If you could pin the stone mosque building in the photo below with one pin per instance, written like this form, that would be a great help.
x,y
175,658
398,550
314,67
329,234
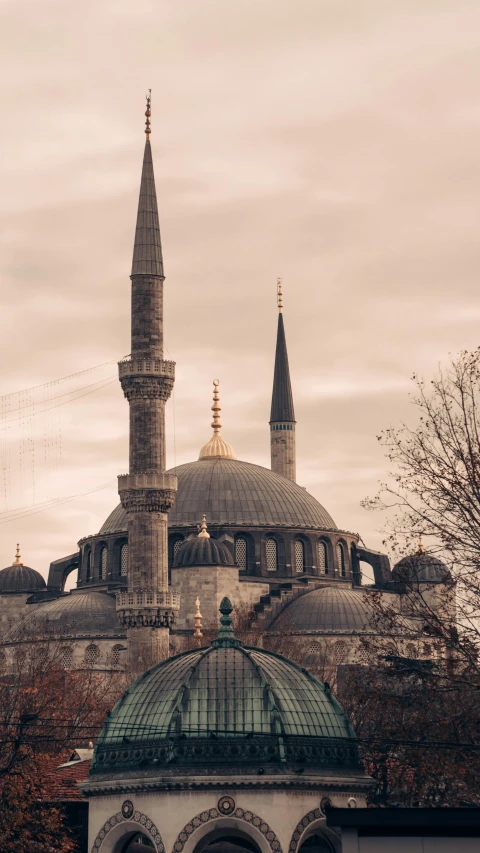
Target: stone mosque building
x,y
214,527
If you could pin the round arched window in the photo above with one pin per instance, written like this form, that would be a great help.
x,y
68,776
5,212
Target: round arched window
x,y
124,559
92,654
341,559
299,556
103,562
322,558
67,657
271,550
241,552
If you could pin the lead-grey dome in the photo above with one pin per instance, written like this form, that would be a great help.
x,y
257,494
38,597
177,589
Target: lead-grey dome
x,y
19,578
77,614
420,568
200,551
331,610
238,493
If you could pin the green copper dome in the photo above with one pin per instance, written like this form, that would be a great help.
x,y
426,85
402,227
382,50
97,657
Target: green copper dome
x,y
222,705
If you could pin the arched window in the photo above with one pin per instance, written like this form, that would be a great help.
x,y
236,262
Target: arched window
x,y
103,562
341,559
322,558
124,559
116,652
67,657
299,556
340,650
88,564
271,549
92,654
241,552
177,544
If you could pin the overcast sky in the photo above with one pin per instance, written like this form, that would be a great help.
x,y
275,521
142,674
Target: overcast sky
x,y
332,143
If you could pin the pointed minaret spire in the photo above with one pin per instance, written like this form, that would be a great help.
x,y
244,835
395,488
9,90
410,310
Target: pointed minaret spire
x,y
147,250
282,415
147,492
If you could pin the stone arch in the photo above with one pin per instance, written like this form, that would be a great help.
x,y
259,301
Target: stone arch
x,y
97,558
307,827
115,551
250,548
307,553
203,819
329,554
118,826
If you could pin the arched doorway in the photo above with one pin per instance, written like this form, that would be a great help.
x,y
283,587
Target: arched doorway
x,y
317,843
226,840
136,843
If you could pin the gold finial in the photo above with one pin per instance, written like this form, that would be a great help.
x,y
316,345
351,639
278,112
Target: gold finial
x,y
216,446
198,620
420,549
204,534
148,113
216,408
279,295
18,560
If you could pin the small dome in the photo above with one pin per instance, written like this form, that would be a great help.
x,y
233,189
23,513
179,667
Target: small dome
x,y
20,578
202,550
331,610
75,614
222,706
421,568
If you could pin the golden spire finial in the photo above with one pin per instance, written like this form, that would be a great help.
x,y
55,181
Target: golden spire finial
x,y
18,560
216,446
148,113
279,295
216,408
204,534
198,620
420,549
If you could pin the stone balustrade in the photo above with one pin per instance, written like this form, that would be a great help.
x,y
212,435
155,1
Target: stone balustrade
x,y
146,366
147,480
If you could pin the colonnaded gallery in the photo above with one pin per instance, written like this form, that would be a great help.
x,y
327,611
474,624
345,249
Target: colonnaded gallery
x,y
216,746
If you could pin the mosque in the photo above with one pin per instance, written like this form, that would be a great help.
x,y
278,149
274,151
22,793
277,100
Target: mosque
x,y
214,527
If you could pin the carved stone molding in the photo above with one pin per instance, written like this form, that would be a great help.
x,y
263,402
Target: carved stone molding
x,y
147,500
240,814
142,821
147,387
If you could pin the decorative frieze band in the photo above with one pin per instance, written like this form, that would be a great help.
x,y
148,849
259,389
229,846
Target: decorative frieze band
x,y
147,387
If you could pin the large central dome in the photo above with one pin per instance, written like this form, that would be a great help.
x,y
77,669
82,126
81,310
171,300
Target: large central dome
x,y
238,493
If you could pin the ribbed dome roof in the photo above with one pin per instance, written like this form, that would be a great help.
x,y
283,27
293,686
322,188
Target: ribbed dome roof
x,y
199,551
237,493
420,567
20,579
222,705
76,614
331,609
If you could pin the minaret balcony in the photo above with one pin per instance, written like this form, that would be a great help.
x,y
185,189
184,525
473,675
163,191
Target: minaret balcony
x,y
147,608
146,367
147,480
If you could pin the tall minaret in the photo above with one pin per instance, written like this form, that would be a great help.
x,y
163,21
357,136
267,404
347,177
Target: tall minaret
x,y
282,415
148,609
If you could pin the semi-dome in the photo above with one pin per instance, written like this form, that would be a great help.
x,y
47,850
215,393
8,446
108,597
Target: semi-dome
x,y
20,578
203,550
226,705
331,610
75,614
237,493
421,568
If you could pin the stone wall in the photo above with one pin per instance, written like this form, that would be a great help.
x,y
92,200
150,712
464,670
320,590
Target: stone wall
x,y
211,584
